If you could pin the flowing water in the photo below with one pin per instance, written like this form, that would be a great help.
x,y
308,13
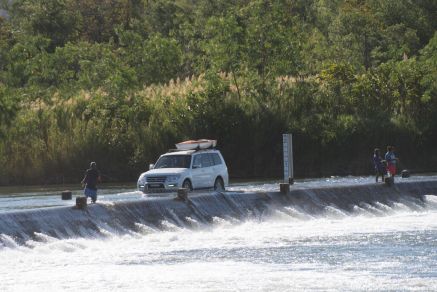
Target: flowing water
x,y
374,247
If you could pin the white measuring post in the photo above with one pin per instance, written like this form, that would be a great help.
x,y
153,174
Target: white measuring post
x,y
287,141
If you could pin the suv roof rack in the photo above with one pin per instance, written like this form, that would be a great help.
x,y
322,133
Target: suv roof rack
x,y
174,150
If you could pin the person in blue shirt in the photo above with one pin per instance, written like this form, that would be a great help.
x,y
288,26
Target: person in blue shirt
x,y
92,176
379,165
391,161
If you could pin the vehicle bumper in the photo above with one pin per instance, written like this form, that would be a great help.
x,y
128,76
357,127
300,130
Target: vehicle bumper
x,y
158,187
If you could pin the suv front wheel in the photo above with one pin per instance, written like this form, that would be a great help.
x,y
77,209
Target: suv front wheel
x,y
187,185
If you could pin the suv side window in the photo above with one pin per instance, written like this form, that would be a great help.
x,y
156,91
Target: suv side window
x,y
216,158
206,160
197,161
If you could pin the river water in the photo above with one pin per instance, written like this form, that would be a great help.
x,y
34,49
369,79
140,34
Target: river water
x,y
387,248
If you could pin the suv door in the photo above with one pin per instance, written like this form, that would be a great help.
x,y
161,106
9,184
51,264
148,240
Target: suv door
x,y
208,166
202,172
197,172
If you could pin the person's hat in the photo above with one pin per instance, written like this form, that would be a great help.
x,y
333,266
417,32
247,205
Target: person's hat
x,y
93,165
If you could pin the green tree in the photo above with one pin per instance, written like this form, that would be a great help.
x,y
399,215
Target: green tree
x,y
155,60
271,39
99,20
428,61
23,57
164,17
354,33
6,41
8,108
51,19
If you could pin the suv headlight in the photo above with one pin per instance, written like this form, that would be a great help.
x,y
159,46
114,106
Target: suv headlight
x,y
142,180
172,178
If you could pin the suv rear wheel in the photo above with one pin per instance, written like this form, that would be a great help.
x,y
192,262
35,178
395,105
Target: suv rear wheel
x,y
219,185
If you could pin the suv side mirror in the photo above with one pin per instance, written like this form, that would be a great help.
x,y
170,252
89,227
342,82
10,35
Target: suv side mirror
x,y
196,166
151,166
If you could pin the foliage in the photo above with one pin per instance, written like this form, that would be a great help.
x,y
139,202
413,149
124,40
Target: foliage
x,y
120,81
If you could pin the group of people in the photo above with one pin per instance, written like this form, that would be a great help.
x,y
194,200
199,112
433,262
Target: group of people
x,y
386,166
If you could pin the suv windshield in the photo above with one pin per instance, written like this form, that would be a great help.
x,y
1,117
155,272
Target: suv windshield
x,y
174,161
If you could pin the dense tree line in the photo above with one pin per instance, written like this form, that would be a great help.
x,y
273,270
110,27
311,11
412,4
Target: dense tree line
x,y
121,81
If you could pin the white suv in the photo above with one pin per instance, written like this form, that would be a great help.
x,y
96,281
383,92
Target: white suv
x,y
191,169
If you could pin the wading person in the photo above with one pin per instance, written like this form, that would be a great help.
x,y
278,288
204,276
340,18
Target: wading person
x,y
391,161
92,177
379,165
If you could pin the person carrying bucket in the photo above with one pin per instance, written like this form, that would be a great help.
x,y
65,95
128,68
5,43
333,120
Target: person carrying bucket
x,y
92,176
391,161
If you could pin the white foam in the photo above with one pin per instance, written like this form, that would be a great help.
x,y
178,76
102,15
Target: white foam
x,y
324,253
373,247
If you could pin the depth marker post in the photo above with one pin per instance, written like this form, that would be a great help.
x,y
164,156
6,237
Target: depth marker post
x,y
287,141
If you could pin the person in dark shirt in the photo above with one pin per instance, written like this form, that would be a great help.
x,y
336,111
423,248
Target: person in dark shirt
x,y
379,164
92,177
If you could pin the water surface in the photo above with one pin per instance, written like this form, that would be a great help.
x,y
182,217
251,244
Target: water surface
x,y
378,248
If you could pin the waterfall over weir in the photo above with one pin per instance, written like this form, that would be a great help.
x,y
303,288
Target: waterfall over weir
x,y
130,216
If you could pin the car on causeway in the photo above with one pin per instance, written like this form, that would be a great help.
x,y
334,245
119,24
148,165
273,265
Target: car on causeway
x,y
190,169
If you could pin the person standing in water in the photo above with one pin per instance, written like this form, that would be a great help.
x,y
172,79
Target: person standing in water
x,y
391,161
92,177
379,165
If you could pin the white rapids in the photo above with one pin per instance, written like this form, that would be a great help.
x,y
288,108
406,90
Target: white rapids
x,y
375,247
394,249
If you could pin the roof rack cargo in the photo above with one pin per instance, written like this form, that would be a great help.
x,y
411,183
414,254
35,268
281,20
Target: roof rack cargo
x,y
196,144
195,150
